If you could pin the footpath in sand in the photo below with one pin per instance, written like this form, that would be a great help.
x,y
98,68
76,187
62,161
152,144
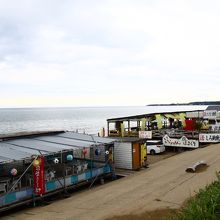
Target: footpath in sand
x,y
164,185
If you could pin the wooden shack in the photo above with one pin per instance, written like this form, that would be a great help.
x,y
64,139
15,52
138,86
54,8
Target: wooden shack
x,y
130,153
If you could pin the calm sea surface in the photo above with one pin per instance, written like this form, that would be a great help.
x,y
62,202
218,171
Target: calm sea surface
x,y
87,119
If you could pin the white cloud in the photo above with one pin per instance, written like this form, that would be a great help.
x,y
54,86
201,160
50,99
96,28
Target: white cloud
x,y
132,52
31,73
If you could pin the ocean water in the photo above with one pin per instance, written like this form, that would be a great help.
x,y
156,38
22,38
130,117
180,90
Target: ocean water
x,y
84,119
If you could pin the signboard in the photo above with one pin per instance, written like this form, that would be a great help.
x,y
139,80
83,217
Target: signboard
x,y
210,114
215,127
196,114
39,176
209,138
145,134
182,142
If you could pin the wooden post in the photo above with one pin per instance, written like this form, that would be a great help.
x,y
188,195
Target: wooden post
x,y
64,170
129,128
108,129
138,125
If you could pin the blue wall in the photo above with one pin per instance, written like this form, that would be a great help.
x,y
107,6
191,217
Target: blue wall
x,y
27,193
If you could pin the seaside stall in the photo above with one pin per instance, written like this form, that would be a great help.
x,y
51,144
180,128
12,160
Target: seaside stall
x,y
132,125
206,123
39,166
212,115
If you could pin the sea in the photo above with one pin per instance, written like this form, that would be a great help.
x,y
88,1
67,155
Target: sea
x,y
88,120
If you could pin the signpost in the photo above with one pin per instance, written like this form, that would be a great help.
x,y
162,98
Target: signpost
x,y
145,134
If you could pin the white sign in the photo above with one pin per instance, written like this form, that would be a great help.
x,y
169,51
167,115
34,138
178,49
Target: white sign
x,y
210,114
182,142
145,134
209,138
196,114
215,127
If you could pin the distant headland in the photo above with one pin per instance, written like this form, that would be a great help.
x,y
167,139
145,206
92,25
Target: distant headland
x,y
190,103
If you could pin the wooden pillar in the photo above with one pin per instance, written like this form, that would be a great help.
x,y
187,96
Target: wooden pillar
x,y
108,129
138,125
129,128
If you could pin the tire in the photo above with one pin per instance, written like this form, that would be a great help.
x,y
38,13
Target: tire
x,y
152,152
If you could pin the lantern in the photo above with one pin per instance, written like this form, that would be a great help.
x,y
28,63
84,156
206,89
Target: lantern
x,y
13,172
97,152
69,157
36,162
56,160
84,151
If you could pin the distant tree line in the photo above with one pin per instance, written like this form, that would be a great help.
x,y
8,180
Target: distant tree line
x,y
190,103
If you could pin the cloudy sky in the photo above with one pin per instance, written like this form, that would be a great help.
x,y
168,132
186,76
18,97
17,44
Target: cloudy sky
x,y
108,53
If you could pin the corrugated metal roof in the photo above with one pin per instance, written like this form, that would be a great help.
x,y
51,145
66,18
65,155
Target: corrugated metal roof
x,y
12,153
43,146
86,137
129,139
213,107
4,159
22,148
65,141
139,117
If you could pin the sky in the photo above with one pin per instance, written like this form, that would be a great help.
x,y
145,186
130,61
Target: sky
x,y
108,53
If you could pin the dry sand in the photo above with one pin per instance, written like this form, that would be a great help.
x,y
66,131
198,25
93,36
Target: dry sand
x,y
163,186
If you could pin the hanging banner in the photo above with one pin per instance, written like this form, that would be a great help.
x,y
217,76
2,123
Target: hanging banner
x,y
145,134
182,142
39,176
209,138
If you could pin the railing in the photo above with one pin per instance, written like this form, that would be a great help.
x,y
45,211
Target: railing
x,y
26,193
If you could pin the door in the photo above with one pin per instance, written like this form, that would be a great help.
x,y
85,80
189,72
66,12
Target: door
x,y
136,156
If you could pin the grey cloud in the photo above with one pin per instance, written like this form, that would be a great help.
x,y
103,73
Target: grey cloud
x,y
82,42
83,24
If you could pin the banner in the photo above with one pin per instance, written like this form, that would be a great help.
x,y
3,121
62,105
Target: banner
x,y
182,142
39,176
209,138
210,114
145,134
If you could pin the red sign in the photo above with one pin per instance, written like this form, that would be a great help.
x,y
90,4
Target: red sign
x,y
190,125
39,176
